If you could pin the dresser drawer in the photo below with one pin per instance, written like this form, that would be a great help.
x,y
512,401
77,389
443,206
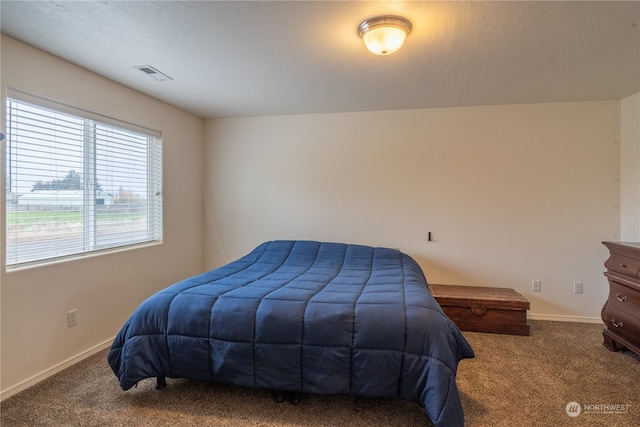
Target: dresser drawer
x,y
623,315
623,323
624,265
623,297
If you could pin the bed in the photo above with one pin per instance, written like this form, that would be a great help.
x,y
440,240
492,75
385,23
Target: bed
x,y
307,317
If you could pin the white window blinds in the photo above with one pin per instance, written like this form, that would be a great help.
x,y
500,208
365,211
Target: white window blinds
x,y
77,184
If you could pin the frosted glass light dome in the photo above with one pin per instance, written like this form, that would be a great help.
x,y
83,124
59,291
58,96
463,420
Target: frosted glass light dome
x,y
384,35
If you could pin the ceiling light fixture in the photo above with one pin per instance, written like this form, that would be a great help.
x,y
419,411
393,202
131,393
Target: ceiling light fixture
x,y
384,35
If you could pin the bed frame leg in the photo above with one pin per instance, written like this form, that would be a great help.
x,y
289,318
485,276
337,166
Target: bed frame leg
x,y
161,382
278,396
294,398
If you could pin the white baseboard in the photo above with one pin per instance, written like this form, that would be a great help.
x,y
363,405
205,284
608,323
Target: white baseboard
x,y
4,394
562,318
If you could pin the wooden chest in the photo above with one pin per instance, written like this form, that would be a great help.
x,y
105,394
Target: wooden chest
x,y
483,309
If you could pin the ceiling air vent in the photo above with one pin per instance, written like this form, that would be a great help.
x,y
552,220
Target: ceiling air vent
x,y
153,73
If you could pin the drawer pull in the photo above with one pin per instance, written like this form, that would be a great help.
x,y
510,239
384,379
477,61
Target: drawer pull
x,y
621,298
623,265
616,324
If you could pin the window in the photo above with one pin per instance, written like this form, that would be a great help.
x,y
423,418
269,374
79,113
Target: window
x,y
77,182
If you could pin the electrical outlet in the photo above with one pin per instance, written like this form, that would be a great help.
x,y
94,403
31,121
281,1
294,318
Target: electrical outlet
x,y
577,287
72,318
536,286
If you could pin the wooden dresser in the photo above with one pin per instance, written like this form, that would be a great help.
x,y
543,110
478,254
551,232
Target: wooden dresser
x,y
621,312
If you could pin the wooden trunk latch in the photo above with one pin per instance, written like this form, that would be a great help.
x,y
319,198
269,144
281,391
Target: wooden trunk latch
x,y
478,309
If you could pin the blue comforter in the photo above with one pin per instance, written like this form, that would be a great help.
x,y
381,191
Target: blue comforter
x,y
303,316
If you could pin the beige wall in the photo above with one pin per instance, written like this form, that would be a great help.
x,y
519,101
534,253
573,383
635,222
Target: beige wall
x,y
510,193
630,169
104,289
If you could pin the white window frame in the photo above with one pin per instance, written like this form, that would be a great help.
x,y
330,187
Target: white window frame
x,y
99,132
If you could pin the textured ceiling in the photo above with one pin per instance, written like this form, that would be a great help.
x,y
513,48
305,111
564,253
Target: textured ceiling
x,y
247,58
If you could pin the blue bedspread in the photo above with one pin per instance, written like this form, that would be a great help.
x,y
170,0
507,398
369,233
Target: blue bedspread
x,y
303,316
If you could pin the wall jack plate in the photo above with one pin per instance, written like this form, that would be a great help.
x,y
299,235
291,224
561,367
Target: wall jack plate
x,y
577,287
536,286
72,318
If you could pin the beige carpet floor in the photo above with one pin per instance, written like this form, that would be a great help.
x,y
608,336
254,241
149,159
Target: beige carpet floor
x,y
513,381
